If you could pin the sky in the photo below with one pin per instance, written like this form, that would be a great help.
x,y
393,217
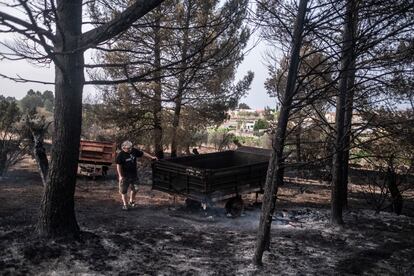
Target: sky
x,y
256,98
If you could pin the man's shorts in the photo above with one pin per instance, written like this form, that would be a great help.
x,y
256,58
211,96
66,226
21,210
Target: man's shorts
x,y
128,182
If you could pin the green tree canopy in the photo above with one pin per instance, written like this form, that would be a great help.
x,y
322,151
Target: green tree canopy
x,y
10,151
243,106
260,124
33,100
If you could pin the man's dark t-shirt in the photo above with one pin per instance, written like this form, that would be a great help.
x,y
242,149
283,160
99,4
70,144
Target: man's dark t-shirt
x,y
128,162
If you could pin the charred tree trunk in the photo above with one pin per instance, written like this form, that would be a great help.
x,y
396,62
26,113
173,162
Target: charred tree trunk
x,y
279,183
158,131
298,143
348,128
338,167
57,217
41,160
181,83
187,150
157,107
39,151
176,123
276,159
397,199
3,159
349,104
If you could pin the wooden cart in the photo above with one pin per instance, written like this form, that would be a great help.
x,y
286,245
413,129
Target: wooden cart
x,y
95,157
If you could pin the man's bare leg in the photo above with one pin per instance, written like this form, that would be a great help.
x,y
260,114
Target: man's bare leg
x,y
124,199
132,197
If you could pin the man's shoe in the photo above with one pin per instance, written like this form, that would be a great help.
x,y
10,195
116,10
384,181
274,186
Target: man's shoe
x,y
125,208
132,204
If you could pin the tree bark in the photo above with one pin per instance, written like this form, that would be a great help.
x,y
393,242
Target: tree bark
x,y
397,199
42,161
3,161
157,107
181,82
338,192
39,151
3,157
158,131
348,127
57,218
298,143
276,159
176,123
349,104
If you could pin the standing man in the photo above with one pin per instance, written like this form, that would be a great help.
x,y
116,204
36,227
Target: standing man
x,y
126,166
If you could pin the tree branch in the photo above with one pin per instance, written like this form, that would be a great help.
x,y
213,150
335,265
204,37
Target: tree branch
x,y
119,24
6,17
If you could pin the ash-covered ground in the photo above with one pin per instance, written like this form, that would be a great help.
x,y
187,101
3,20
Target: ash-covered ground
x,y
162,238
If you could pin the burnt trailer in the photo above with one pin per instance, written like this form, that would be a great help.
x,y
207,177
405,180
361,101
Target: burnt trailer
x,y
211,177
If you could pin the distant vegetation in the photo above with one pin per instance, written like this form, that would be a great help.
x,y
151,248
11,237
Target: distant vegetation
x,y
15,117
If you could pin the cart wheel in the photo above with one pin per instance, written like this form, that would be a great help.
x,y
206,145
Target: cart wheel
x,y
234,206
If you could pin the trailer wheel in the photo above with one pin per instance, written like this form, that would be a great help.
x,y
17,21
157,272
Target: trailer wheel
x,y
234,206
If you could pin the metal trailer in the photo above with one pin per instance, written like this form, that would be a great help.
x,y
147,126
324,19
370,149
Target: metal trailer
x,y
211,177
95,157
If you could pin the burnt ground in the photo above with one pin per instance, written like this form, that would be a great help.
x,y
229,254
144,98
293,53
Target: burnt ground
x,y
162,238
